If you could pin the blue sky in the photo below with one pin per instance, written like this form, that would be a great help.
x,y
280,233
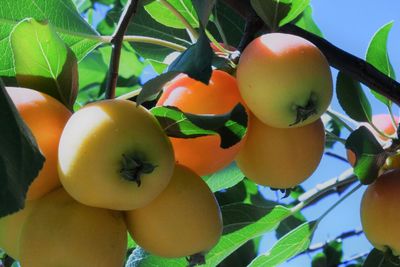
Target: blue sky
x,y
350,26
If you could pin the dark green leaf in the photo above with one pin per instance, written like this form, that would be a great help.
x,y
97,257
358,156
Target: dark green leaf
x,y
378,56
231,126
195,62
272,11
306,22
289,224
376,258
370,155
70,26
20,157
43,62
288,246
320,260
333,127
352,98
334,253
203,9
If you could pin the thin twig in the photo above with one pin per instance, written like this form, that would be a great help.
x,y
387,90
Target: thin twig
x,y
147,40
116,43
336,156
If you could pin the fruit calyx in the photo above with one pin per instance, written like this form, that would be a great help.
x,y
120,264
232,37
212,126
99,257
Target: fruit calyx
x,y
390,257
134,166
196,259
304,112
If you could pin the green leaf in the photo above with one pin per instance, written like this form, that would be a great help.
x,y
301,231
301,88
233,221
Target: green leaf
x,y
370,155
377,258
231,126
70,26
20,157
272,11
203,9
352,98
43,62
306,22
289,224
334,252
288,246
331,126
296,8
224,179
163,15
378,56
194,61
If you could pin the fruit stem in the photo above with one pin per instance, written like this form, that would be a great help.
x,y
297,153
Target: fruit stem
x,y
133,167
196,259
304,112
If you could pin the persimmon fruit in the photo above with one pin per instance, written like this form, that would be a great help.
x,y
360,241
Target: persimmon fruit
x,y
284,80
114,154
183,220
278,157
203,154
46,118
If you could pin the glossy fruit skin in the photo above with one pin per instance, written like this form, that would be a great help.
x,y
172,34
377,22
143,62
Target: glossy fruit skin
x,y
203,154
379,212
384,123
278,72
91,154
281,158
62,232
46,118
183,220
11,227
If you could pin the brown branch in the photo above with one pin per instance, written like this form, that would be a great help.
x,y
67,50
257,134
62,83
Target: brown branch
x,y
353,66
116,43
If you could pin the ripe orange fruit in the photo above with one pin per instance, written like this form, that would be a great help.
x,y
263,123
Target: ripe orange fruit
x,y
278,157
46,118
183,220
284,80
203,154
379,212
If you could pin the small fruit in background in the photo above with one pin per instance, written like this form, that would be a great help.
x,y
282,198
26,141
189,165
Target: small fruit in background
x,y
379,212
278,157
62,232
203,154
46,118
183,220
114,154
284,80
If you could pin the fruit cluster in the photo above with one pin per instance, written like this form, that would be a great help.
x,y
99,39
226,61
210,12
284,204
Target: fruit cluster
x,y
110,168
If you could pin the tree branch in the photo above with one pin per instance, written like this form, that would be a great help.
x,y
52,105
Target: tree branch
x,y
353,66
116,43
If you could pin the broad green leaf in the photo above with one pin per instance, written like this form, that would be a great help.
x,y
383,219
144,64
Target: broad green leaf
x,y
231,126
223,179
352,98
272,11
161,13
141,258
296,8
194,61
43,62
82,5
378,56
370,155
289,224
20,157
291,244
70,26
306,22
232,241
